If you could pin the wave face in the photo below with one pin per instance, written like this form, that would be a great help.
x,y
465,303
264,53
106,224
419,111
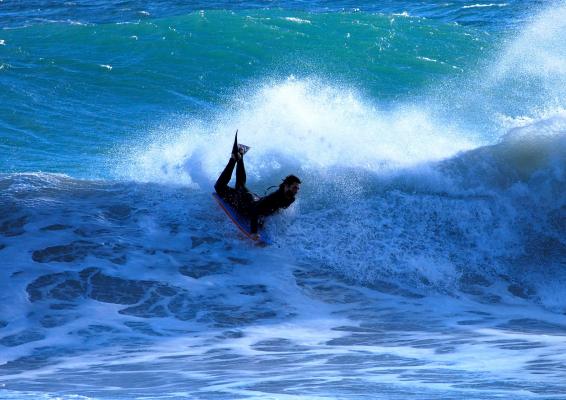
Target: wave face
x,y
423,259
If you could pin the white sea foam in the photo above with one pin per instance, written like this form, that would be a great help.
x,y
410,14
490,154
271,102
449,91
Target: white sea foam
x,y
427,59
520,83
298,20
303,123
480,5
538,55
260,321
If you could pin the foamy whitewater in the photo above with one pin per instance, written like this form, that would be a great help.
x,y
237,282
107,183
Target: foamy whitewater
x,y
425,256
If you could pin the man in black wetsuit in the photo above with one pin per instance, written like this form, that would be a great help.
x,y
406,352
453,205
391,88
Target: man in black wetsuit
x,y
245,202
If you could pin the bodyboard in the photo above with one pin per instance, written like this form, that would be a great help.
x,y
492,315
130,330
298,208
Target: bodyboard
x,y
241,222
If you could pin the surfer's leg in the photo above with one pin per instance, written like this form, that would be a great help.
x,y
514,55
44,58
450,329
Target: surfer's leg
x,y
221,185
240,175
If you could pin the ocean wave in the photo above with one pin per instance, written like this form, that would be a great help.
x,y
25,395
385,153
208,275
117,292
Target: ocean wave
x,y
304,123
468,222
428,238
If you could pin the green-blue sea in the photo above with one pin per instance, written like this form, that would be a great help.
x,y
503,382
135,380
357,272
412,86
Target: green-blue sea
x,y
424,258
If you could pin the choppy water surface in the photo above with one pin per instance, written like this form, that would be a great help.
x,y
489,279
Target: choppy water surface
x,y
424,258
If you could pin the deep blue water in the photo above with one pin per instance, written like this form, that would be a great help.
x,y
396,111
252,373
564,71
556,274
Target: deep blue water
x,y
424,258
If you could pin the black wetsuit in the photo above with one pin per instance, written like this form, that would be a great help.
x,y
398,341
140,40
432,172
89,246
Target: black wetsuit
x,y
245,202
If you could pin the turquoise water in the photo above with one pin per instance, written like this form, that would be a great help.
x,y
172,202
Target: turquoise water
x,y
423,259
85,88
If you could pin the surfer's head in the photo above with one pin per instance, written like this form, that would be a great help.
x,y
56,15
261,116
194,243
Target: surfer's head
x,y
290,186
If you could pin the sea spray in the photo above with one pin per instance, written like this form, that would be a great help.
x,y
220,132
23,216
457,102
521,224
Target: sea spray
x,y
305,124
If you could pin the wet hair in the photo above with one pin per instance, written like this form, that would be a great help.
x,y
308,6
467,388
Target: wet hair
x,y
289,180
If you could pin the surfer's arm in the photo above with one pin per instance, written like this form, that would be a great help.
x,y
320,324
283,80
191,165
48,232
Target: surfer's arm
x,y
253,222
256,210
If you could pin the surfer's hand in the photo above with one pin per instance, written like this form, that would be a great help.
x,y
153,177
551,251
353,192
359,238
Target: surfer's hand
x,y
255,236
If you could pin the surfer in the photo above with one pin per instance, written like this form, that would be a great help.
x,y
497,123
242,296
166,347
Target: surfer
x,y
246,203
